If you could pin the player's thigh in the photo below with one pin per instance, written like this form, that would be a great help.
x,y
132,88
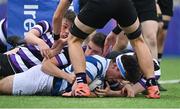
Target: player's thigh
x,y
149,28
91,16
6,85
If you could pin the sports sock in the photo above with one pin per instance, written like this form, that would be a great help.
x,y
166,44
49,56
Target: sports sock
x,y
159,57
151,82
81,77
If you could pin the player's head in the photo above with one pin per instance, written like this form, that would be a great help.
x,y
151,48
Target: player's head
x,y
67,22
95,45
128,67
125,67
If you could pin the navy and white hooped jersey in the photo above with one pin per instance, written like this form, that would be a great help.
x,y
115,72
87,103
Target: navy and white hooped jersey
x,y
29,55
96,66
3,32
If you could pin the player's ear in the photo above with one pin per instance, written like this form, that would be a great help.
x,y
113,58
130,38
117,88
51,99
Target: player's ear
x,y
114,65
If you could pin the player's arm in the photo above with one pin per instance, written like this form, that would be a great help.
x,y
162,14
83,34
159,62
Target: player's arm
x,y
33,36
49,66
58,15
13,51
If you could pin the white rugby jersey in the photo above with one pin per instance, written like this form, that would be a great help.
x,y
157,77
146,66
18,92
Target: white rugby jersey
x,y
96,66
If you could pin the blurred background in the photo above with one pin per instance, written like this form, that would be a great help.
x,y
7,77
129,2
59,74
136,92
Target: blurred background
x,y
21,16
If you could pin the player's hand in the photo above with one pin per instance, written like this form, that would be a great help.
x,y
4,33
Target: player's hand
x,y
109,43
57,47
59,42
103,92
44,49
128,91
71,78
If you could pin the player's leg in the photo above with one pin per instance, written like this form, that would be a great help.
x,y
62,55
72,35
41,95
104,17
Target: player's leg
x,y
6,85
76,53
133,31
5,66
149,31
166,7
148,17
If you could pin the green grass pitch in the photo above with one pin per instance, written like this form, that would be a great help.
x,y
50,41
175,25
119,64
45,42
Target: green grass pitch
x,y
169,99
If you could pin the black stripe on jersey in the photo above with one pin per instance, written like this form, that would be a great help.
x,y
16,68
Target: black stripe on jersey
x,y
35,52
90,75
57,82
66,53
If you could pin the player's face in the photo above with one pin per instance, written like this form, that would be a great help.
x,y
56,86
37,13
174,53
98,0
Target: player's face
x,y
113,72
66,25
93,49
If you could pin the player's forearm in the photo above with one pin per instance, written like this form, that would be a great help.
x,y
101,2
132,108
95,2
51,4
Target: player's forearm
x,y
58,15
137,88
53,70
115,94
32,37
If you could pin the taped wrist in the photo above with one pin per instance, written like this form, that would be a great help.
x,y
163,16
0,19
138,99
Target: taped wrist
x,y
134,34
56,36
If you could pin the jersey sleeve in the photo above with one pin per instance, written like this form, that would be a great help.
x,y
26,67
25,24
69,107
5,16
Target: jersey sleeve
x,y
43,27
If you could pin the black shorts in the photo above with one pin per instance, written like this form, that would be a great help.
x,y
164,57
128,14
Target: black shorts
x,y
96,13
166,7
146,9
5,66
3,48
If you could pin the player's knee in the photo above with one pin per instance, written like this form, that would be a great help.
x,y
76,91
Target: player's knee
x,y
75,31
74,40
135,34
150,38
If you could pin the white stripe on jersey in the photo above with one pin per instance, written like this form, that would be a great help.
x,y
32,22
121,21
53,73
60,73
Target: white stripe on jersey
x,y
2,37
49,36
105,62
47,26
62,58
20,62
39,27
30,55
91,68
37,47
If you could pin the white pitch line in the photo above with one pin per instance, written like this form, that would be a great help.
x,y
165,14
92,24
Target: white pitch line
x,y
169,81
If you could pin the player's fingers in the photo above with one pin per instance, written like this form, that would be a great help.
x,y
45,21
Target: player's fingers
x,y
100,90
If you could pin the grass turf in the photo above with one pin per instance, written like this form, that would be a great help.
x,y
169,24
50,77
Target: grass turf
x,y
169,99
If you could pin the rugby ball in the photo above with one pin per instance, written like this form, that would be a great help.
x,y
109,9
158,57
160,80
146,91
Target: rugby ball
x,y
96,83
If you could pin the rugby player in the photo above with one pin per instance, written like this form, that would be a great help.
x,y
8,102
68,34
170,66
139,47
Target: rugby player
x,y
95,14
39,40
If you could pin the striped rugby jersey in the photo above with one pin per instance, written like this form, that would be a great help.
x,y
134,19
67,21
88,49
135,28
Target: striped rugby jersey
x,y
29,55
96,66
